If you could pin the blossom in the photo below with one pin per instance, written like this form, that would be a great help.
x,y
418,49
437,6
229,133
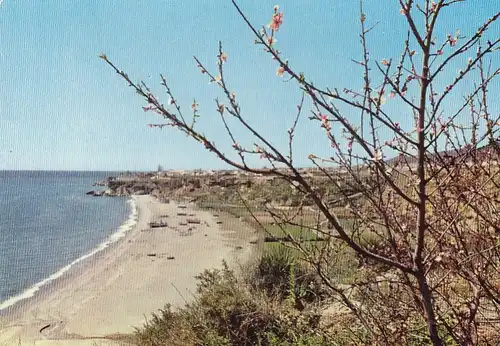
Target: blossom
x,y
194,105
402,11
392,94
280,71
276,21
223,57
439,52
377,156
469,61
349,145
380,100
326,126
171,101
276,8
324,122
271,40
221,108
412,53
433,6
385,62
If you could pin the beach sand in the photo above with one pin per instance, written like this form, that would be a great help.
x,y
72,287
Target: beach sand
x,y
115,290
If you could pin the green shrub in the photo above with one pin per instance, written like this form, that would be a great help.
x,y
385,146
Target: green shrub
x,y
227,312
280,274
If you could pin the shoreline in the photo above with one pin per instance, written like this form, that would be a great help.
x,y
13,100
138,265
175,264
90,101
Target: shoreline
x,y
113,290
126,226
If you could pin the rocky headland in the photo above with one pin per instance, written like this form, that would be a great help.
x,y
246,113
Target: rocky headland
x,y
207,186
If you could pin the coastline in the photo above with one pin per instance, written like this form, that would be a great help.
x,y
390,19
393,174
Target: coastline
x,y
125,227
113,290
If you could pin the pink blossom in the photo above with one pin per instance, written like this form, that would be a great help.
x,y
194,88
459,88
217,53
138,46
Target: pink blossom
x,y
280,71
439,52
385,62
324,122
271,40
403,11
223,57
276,21
171,101
433,6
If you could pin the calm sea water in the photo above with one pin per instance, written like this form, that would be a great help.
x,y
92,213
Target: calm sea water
x,y
47,223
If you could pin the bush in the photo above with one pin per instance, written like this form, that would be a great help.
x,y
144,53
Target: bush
x,y
228,312
280,274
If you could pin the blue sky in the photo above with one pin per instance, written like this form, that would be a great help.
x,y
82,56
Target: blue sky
x,y
62,108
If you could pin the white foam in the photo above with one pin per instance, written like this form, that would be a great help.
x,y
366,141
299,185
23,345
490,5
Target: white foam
x,y
120,233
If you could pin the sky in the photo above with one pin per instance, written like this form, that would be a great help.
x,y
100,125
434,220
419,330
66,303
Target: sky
x,y
62,108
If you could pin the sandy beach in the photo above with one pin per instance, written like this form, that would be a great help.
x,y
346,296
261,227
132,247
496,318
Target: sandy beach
x,y
115,290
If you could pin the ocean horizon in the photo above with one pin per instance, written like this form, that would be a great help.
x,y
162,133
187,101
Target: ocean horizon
x,y
48,224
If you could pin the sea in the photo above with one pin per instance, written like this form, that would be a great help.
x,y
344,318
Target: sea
x,y
48,224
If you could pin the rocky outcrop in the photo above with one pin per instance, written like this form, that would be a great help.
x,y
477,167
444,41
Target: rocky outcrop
x,y
100,193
